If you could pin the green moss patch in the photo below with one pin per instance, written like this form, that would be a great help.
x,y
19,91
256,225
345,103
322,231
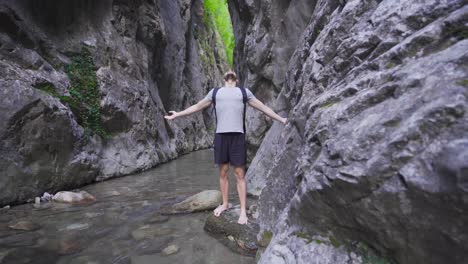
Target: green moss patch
x,y
463,83
47,88
368,255
85,97
304,236
265,238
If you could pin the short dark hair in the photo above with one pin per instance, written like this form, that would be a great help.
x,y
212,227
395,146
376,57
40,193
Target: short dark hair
x,y
230,75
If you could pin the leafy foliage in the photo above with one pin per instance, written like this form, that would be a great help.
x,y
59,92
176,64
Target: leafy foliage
x,y
217,15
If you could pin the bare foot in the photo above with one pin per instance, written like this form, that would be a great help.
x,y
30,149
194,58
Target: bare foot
x,y
242,219
220,209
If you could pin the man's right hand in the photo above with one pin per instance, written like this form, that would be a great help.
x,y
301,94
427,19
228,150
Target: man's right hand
x,y
173,115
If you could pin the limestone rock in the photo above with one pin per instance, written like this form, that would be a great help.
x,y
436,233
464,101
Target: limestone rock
x,y
171,249
147,59
239,238
375,149
73,197
24,225
202,201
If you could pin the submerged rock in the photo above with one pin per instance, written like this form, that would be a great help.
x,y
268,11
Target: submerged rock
x,y
171,249
239,238
25,226
151,231
202,201
73,197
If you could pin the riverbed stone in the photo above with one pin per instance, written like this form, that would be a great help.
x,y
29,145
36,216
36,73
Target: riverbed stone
x,y
73,197
170,250
202,201
24,225
239,238
151,231
157,218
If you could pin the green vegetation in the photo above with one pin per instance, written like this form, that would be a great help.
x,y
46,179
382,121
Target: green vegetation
x,y
368,256
334,242
266,238
84,99
463,83
304,236
217,16
48,88
327,105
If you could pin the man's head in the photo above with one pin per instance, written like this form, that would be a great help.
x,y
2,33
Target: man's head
x,y
230,76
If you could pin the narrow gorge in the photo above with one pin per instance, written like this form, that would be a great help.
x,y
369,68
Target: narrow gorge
x,y
372,166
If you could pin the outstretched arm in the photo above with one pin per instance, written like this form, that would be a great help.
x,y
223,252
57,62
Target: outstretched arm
x,y
192,109
257,104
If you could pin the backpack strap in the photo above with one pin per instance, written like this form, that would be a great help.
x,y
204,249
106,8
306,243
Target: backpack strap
x,y
244,100
213,101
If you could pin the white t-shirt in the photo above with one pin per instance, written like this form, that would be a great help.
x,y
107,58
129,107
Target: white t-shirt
x,y
229,108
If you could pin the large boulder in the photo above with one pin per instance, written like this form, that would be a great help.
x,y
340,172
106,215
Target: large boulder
x,y
202,201
239,238
374,153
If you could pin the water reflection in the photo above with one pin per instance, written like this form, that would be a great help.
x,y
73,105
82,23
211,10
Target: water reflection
x,y
123,226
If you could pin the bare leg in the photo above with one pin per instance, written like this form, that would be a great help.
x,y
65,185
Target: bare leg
x,y
239,171
224,187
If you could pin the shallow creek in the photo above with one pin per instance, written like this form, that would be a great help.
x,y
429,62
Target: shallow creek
x,y
123,226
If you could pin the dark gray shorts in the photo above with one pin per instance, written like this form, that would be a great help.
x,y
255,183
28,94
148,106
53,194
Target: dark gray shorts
x,y
230,148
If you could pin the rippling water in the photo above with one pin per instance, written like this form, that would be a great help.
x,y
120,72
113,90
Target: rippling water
x,y
123,226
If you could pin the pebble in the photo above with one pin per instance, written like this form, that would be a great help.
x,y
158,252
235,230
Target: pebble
x,y
171,249
76,226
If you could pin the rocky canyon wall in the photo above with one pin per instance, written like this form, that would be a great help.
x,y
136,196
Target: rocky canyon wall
x,y
66,64
373,165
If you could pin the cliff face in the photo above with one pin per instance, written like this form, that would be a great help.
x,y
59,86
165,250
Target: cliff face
x,y
266,34
373,165
65,65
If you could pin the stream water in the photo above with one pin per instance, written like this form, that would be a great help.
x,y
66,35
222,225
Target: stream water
x,y
123,226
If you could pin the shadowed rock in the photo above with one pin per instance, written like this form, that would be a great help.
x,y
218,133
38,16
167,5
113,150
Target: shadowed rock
x,y
239,238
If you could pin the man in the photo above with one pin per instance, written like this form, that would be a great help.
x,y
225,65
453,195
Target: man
x,y
229,143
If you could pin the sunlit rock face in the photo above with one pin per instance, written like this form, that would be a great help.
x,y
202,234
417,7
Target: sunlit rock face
x,y
374,160
147,59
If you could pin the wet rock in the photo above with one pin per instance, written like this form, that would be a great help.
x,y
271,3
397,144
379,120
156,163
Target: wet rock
x,y
31,256
19,240
75,226
68,247
46,197
156,245
171,249
157,218
73,197
151,231
25,226
202,201
239,238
